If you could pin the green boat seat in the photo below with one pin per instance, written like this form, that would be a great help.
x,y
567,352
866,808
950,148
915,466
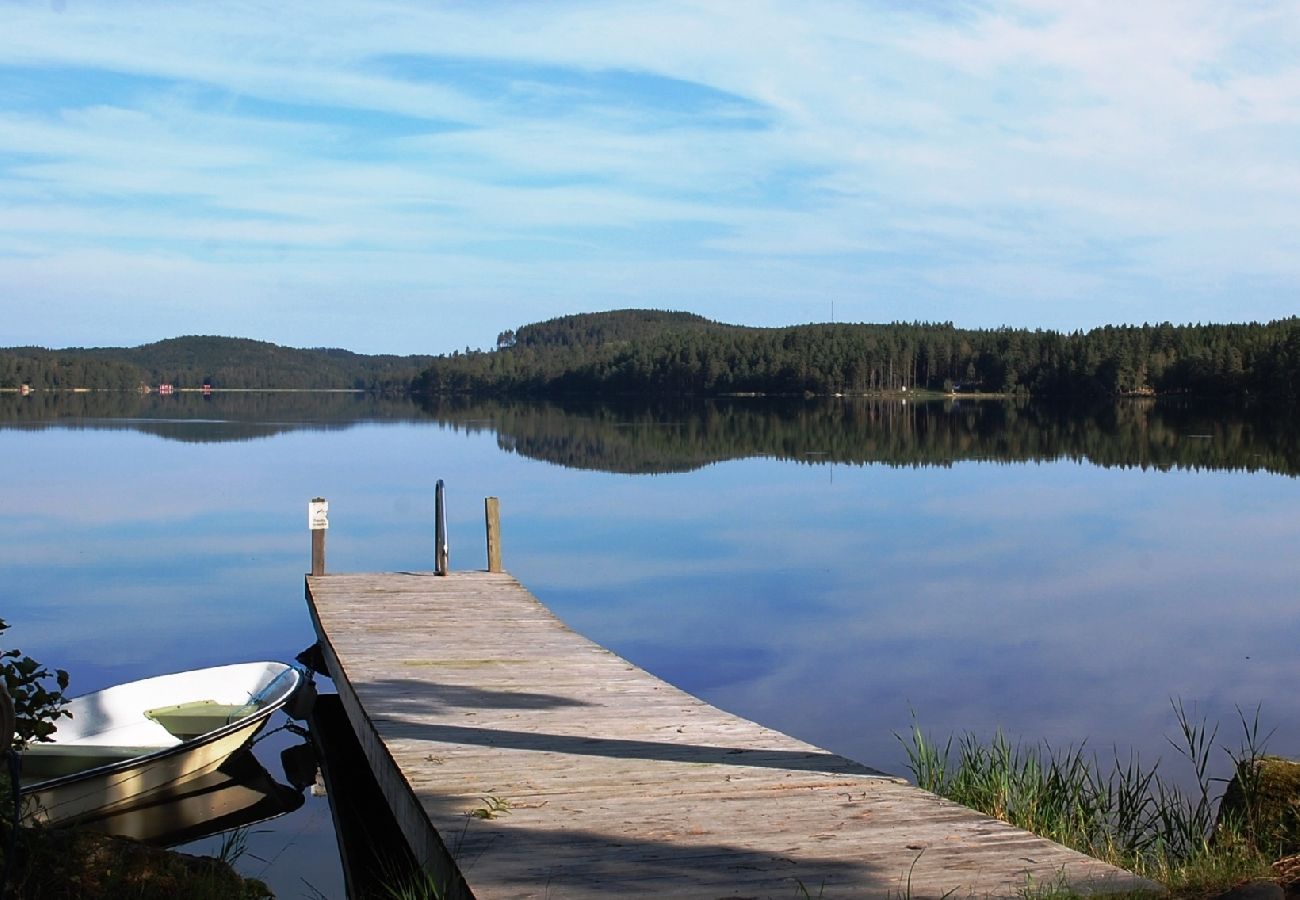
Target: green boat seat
x,y
189,720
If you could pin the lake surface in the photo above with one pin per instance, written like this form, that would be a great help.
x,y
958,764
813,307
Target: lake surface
x,y
827,568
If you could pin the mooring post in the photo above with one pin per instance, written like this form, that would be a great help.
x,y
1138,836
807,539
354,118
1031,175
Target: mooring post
x,y
442,555
319,522
492,515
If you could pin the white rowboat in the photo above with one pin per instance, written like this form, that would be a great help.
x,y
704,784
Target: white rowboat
x,y
127,742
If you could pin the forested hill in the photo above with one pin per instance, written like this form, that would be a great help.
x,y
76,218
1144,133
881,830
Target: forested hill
x,y
189,362
588,331
558,354
641,352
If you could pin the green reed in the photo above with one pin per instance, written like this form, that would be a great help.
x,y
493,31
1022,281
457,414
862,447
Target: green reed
x,y
1125,812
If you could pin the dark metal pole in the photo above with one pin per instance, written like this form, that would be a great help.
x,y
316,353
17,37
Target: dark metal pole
x,y
442,555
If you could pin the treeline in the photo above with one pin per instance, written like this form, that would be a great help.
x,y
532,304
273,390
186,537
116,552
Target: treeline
x,y
642,352
191,362
679,435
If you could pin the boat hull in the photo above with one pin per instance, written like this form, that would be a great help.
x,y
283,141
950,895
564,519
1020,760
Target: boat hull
x,y
238,792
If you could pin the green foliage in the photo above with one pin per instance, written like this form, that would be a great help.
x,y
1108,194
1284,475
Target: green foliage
x,y
646,352
652,352
1261,804
1126,813
64,863
234,844
423,885
492,808
189,362
37,704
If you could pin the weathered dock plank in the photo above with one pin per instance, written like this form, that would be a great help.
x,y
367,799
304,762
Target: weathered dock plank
x,y
547,766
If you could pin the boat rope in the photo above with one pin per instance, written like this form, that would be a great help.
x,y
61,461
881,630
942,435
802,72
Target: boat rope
x,y
291,727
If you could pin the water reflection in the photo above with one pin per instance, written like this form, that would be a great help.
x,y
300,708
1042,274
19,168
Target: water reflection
x,y
192,417
655,437
680,436
239,793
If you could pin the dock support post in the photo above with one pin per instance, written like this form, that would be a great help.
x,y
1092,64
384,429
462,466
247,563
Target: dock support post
x,y
318,521
492,515
442,555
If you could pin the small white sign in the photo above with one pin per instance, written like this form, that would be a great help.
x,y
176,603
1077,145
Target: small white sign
x,y
318,515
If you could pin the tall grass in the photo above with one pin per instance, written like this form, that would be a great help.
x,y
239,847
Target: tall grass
x,y
1124,812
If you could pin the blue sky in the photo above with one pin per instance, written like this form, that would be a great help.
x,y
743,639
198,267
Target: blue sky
x,y
416,177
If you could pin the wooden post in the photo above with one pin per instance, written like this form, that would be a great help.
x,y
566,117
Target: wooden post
x,y
442,554
318,521
492,515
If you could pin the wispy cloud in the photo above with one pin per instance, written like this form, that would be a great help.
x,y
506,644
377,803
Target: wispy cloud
x,y
479,165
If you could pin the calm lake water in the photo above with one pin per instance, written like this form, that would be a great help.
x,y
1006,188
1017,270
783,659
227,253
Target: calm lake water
x,y
828,568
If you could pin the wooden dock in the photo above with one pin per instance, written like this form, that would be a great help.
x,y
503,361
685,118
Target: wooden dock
x,y
534,763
